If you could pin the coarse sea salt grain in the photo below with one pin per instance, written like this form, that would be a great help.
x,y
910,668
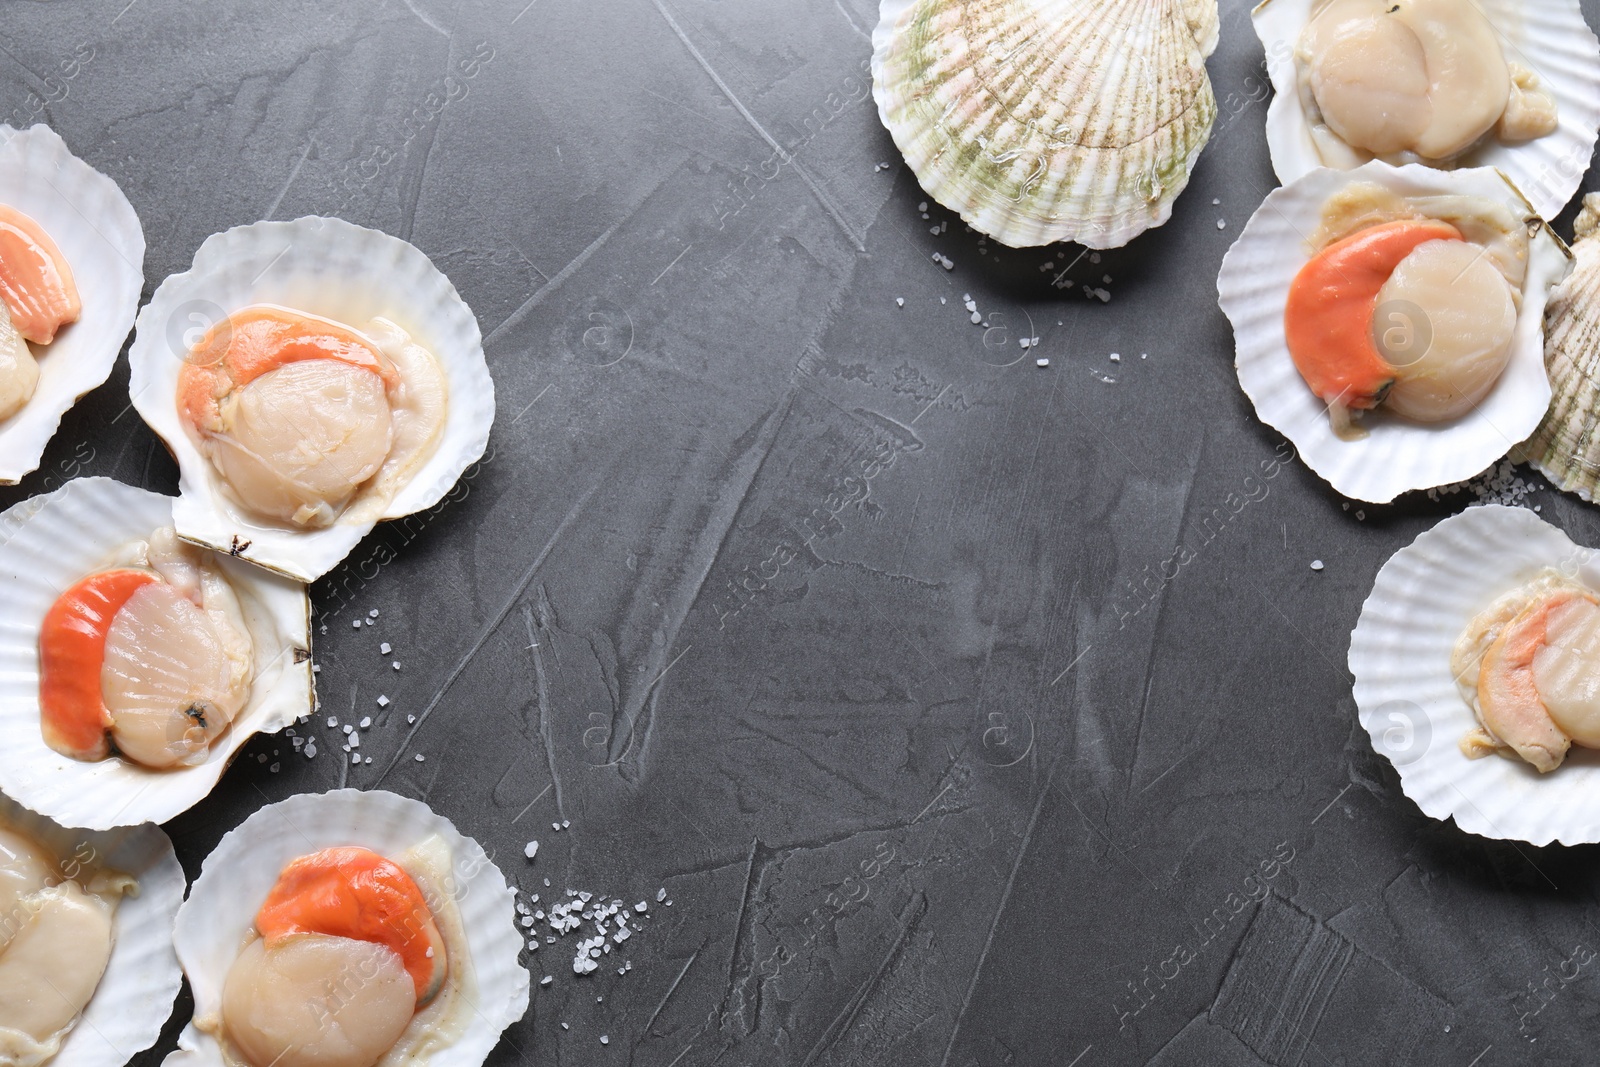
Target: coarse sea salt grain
x,y
899,301
531,849
1042,361
366,721
384,648
383,701
1316,564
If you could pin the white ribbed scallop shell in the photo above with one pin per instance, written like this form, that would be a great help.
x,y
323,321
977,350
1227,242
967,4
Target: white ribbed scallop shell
x,y
1549,37
1048,120
135,995
98,232
1566,446
340,271
1407,698
220,912
69,534
1396,456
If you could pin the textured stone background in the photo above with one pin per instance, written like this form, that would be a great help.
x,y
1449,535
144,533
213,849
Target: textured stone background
x,y
826,615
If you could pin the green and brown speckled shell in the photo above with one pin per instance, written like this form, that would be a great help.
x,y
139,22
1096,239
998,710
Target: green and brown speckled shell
x,y
1048,120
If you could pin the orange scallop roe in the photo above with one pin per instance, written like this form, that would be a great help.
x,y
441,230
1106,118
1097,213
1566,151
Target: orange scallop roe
x,y
257,340
1328,319
353,892
35,281
72,649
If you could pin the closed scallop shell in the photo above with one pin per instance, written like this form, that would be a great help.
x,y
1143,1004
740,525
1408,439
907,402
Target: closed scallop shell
x,y
135,995
99,235
1549,38
1048,120
219,915
1397,455
1566,446
1406,695
72,532
341,271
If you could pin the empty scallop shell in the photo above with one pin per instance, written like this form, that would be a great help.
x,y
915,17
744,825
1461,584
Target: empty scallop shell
x,y
98,233
1048,120
220,912
1424,597
1549,38
135,995
1396,456
1566,446
71,534
341,271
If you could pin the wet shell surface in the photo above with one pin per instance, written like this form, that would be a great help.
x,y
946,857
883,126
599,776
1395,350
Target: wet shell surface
x,y
1550,38
326,267
1396,456
1566,446
220,913
135,995
1048,120
1423,599
99,235
70,534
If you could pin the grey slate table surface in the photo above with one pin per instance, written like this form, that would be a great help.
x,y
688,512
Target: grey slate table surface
x,y
832,617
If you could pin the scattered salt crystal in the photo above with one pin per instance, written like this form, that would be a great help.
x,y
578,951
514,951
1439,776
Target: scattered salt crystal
x,y
941,300
316,668
1116,357
332,721
395,665
419,757
311,749
1222,224
383,701
1042,361
976,318
564,824
556,827
947,263
922,206
355,624
373,614
547,979
410,719
355,757
384,648
348,729
261,757
604,1040
1024,341
639,907
366,721
531,849
661,894
355,740
1106,278
1144,355
1094,257
1316,564
899,301
1215,201
273,768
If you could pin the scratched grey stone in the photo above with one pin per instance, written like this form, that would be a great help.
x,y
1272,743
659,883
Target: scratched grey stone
x,y
966,711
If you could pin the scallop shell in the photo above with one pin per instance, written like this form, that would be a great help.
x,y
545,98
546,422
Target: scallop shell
x,y
1396,456
98,232
341,271
135,995
1550,38
1566,446
1049,120
237,876
72,532
1407,698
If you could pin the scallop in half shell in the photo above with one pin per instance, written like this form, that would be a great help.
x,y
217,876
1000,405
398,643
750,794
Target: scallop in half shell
x,y
79,530
1549,40
96,232
134,996
484,991
1566,446
311,450
1424,600
1396,454
1048,120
